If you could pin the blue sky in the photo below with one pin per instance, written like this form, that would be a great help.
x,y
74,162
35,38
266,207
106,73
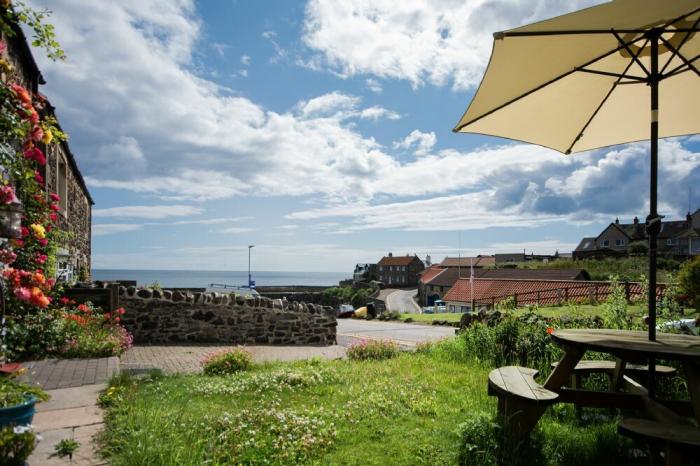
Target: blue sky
x,y
320,131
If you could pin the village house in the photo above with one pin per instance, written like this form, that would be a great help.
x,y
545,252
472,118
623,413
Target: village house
x,y
437,283
460,262
400,271
364,273
678,239
61,174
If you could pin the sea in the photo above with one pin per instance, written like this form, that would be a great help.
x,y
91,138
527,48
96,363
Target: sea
x,y
204,278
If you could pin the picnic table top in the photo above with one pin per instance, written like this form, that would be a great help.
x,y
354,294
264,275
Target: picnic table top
x,y
631,343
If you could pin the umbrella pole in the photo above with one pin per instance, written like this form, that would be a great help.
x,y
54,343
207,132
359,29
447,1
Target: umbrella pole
x,y
653,222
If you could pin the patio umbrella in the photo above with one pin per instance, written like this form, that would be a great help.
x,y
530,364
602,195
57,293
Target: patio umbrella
x,y
619,72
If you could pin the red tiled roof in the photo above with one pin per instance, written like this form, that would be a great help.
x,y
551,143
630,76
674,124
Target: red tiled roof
x,y
533,274
397,260
429,273
544,292
478,261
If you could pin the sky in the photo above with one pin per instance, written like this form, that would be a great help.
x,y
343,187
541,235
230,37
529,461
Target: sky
x,y
319,131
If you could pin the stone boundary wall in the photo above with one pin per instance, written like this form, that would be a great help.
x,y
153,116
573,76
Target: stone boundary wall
x,y
155,316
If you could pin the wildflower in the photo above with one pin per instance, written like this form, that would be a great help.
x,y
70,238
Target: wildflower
x,y
55,197
550,330
48,137
39,230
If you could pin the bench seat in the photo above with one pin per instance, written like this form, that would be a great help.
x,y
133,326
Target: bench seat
x,y
595,367
661,433
519,383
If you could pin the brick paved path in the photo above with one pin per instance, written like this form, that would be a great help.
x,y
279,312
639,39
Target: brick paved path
x,y
64,373
186,358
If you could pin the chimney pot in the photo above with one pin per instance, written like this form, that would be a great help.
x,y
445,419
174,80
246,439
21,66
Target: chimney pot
x,y
391,255
617,220
636,220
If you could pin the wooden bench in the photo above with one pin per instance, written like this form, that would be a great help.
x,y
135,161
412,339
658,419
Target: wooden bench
x,y
681,442
608,367
520,398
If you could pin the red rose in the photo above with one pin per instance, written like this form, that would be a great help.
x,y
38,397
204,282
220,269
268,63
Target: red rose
x,y
43,242
39,179
53,216
37,133
55,207
55,197
25,232
65,300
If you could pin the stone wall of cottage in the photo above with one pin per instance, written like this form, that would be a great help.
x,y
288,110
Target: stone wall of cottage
x,y
76,217
155,316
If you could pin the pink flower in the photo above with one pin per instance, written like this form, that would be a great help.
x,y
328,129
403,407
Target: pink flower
x,y
39,179
7,195
23,293
25,232
7,256
55,197
34,153
37,134
53,216
41,258
3,46
43,242
55,207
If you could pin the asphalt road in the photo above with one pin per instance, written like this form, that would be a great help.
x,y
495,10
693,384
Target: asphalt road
x,y
402,301
405,334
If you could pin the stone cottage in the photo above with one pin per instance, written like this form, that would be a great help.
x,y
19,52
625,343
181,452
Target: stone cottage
x,y
61,173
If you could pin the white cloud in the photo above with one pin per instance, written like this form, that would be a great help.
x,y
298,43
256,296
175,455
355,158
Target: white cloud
x,y
245,60
420,41
376,112
235,230
101,229
423,142
150,212
289,227
220,48
243,73
280,52
374,85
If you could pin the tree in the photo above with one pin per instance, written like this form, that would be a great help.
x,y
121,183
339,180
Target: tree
x,y
689,281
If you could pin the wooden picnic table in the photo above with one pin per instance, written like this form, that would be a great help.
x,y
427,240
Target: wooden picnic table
x,y
627,347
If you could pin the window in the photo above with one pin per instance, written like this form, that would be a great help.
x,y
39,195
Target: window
x,y
452,308
464,309
381,268
403,268
672,242
62,186
606,243
619,242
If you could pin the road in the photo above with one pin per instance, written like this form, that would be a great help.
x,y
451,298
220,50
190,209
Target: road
x,y
402,301
404,334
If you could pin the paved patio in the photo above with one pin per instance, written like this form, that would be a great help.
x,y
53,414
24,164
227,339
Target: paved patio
x,y
51,374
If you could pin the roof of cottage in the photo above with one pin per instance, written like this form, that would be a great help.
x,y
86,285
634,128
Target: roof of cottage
x,y
397,260
478,261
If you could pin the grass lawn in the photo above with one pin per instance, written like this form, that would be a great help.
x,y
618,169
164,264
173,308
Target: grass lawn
x,y
403,411
581,310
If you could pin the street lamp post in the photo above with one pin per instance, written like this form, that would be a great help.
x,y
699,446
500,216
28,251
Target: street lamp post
x,y
250,278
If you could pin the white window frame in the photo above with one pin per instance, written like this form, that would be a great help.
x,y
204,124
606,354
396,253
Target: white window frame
x,y
619,242
606,243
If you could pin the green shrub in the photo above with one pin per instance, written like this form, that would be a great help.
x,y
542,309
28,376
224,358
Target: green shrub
x,y
16,444
373,349
615,313
227,362
689,281
484,443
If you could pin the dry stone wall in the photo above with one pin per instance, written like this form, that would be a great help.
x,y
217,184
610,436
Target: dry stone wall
x,y
155,316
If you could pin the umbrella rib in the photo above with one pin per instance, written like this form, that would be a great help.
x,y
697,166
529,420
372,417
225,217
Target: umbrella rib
x,y
681,68
543,85
685,60
607,96
615,75
632,54
677,51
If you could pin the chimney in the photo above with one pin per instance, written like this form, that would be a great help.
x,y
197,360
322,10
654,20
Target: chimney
x,y
617,221
636,221
391,255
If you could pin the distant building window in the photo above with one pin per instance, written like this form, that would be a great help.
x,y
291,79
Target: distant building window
x,y
381,268
606,243
403,268
452,307
619,242
464,309
672,242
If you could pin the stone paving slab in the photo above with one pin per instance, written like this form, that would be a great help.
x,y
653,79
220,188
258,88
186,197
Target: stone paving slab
x,y
52,374
185,359
71,413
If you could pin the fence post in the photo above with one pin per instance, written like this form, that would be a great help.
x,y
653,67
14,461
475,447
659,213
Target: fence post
x,y
473,304
566,294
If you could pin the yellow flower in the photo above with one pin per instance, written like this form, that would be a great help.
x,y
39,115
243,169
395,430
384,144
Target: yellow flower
x,y
48,137
38,230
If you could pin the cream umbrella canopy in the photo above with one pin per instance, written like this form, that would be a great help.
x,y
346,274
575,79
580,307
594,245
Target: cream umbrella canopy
x,y
623,71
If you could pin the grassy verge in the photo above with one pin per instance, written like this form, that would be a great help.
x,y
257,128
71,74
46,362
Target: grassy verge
x,y
404,411
582,310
